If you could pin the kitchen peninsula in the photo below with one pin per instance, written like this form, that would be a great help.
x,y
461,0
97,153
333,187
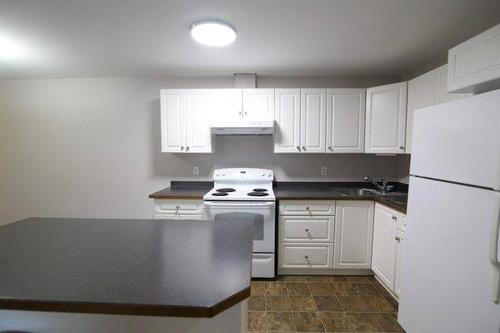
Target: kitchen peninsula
x,y
109,275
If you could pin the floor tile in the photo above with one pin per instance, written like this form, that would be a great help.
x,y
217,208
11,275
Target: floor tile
x,y
257,287
278,303
378,304
257,321
362,322
320,288
276,288
308,322
360,278
317,278
387,322
336,321
366,288
302,303
297,288
327,303
337,278
280,321
353,303
256,303
343,289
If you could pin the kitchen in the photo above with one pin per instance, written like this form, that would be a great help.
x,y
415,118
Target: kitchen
x,y
317,143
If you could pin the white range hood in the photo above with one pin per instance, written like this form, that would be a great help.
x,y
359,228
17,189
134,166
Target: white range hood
x,y
265,127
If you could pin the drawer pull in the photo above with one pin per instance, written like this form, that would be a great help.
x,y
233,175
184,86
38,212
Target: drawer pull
x,y
398,239
394,218
307,230
308,208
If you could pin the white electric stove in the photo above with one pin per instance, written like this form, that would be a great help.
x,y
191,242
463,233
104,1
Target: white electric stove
x,y
247,190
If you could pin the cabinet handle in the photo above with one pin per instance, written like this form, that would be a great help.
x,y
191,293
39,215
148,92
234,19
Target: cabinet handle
x,y
187,148
306,257
298,148
330,148
246,113
182,147
402,147
308,208
394,218
307,230
398,239
304,148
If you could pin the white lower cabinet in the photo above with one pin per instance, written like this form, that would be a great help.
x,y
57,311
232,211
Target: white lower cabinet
x,y
353,234
306,255
306,233
400,248
387,249
175,209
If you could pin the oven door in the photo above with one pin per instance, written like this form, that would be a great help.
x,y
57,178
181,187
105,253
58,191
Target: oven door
x,y
264,225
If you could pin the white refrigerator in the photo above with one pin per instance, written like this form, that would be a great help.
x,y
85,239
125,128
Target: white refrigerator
x,y
451,270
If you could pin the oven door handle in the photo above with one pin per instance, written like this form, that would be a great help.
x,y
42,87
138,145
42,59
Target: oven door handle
x,y
240,204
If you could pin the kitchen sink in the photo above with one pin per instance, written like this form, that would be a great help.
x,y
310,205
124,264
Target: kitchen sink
x,y
400,198
356,191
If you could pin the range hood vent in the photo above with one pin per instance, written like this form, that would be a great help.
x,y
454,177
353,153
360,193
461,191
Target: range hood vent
x,y
243,128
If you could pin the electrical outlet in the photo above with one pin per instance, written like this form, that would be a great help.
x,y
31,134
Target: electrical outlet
x,y
196,170
324,171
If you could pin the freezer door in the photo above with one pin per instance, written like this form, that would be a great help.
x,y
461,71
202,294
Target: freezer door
x,y
459,141
447,276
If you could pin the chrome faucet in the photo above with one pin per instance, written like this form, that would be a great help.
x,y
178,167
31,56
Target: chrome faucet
x,y
384,188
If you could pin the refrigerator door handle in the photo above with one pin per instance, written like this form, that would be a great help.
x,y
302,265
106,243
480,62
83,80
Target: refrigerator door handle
x,y
494,260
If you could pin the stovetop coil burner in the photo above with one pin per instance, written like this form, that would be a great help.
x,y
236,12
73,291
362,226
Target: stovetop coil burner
x,y
219,194
225,190
258,194
259,190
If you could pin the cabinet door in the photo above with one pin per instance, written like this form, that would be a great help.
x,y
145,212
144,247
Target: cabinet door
x,y
386,119
474,65
384,245
441,87
226,104
345,125
287,117
353,234
172,104
258,104
400,246
420,95
198,137
312,120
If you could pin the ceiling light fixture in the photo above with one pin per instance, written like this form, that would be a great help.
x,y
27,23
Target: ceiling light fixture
x,y
11,49
213,33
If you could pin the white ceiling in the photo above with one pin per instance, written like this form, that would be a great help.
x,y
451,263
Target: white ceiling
x,y
66,38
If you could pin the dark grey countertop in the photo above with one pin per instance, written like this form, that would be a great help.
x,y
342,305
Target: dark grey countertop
x,y
293,191
136,267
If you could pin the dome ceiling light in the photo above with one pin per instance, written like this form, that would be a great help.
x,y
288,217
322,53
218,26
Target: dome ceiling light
x,y
213,33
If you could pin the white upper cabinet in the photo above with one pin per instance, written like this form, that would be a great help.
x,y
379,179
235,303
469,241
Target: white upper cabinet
x,y
258,104
313,120
173,105
384,245
426,90
184,121
345,120
198,137
226,105
386,119
287,118
353,234
474,65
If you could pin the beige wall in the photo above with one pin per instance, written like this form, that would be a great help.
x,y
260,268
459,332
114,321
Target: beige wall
x,y
91,147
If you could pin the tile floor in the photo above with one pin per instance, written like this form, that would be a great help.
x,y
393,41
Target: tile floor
x,y
321,304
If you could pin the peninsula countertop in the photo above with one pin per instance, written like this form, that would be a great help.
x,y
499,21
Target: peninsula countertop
x,y
295,191
134,267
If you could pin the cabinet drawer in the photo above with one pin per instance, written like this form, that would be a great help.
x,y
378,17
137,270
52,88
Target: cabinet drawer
x,y
313,207
294,255
191,207
177,217
306,229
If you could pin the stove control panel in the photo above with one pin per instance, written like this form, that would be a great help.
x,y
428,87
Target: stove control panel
x,y
243,175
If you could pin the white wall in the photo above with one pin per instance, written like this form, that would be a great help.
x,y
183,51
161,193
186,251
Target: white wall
x,y
91,147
